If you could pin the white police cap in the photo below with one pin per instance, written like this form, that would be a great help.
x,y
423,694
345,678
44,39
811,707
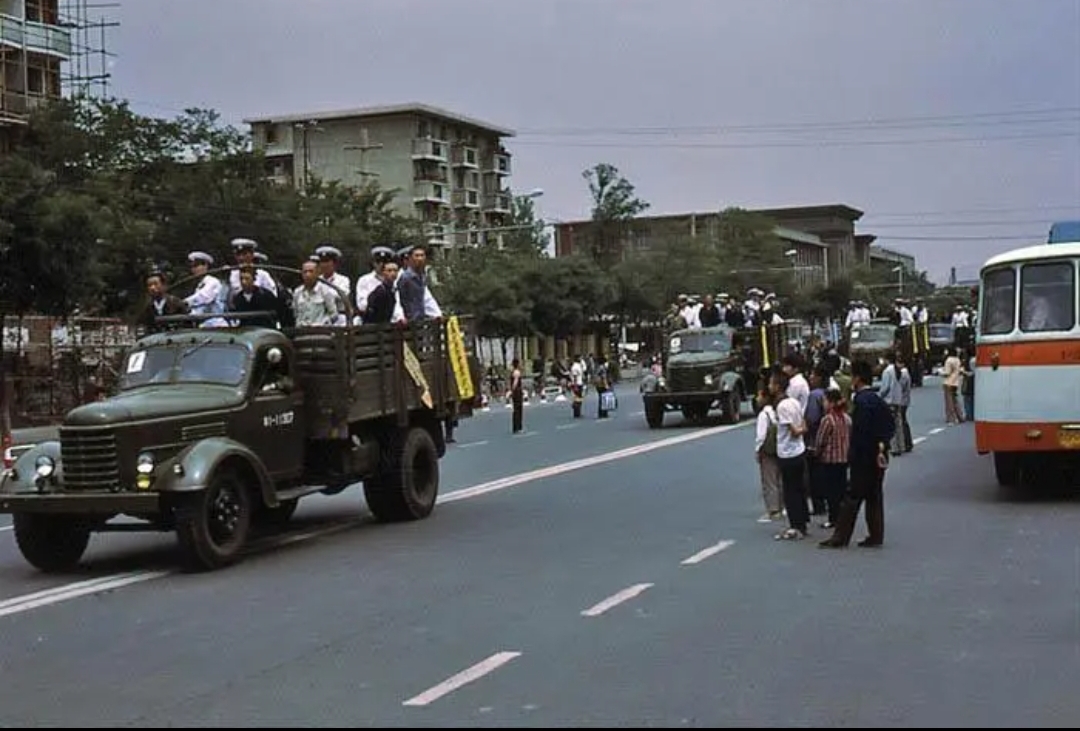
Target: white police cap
x,y
328,252
200,257
241,244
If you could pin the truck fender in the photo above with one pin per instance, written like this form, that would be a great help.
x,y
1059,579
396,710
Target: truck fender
x,y
192,468
731,381
22,478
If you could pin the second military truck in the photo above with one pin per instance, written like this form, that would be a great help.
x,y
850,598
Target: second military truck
x,y
214,430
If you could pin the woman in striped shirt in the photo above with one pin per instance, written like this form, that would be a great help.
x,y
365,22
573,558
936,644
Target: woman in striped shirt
x,y
831,452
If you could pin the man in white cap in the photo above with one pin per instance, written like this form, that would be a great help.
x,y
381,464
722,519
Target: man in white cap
x,y
210,295
752,306
328,257
371,281
244,250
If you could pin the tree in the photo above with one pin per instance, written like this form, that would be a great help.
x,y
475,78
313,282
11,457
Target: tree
x,y
614,205
525,234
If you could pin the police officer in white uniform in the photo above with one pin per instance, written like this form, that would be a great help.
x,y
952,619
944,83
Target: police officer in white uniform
x,y
210,295
368,283
244,251
328,256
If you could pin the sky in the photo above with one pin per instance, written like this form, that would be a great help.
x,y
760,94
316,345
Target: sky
x,y
953,124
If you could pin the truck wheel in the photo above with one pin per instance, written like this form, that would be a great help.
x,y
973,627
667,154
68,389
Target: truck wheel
x,y
212,525
654,414
51,543
408,481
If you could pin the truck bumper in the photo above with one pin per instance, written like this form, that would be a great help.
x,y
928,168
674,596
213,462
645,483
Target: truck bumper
x,y
685,397
82,504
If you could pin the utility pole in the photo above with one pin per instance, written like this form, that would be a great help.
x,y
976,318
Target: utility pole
x,y
304,127
365,146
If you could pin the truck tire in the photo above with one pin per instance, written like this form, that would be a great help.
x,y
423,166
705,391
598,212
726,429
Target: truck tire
x,y
212,525
654,414
51,543
407,485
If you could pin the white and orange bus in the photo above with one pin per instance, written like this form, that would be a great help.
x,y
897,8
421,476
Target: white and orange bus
x,y
1027,378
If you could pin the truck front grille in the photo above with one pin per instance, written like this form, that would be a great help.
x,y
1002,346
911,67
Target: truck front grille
x,y
682,380
89,459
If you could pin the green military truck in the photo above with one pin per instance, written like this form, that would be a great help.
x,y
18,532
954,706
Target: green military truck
x,y
214,431
704,369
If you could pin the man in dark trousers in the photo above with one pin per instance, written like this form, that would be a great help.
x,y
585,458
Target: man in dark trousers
x,y
872,428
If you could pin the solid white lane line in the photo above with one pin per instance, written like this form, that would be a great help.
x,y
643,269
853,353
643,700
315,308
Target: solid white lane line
x,y
938,430
6,527
708,552
27,602
918,440
469,445
465,677
615,600
504,483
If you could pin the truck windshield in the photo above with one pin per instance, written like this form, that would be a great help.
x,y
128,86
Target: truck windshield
x,y
873,335
217,363
941,332
701,342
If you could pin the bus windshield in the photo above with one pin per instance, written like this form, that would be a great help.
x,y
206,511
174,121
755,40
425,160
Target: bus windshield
x,y
997,313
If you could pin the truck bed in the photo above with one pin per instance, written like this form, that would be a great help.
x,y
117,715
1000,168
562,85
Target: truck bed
x,y
360,373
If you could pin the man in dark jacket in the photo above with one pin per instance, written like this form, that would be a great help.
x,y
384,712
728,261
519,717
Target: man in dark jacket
x,y
161,303
872,428
253,298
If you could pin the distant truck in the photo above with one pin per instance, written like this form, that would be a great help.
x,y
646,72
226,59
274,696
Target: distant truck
x,y
213,431
715,368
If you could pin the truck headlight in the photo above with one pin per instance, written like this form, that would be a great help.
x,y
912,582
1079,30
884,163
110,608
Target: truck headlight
x,y
708,379
661,382
144,464
45,466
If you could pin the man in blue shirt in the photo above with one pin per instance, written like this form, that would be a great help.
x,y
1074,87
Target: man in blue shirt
x,y
872,428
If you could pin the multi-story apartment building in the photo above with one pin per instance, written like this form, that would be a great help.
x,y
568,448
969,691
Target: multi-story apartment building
x,y
822,243
450,171
33,45
881,257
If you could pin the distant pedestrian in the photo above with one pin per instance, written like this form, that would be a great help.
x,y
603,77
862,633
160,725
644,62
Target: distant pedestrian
x,y
517,397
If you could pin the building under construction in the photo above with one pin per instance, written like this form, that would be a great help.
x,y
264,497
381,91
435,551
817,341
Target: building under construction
x,y
47,46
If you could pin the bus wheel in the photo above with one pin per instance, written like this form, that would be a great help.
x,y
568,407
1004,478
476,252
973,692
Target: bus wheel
x,y
1007,469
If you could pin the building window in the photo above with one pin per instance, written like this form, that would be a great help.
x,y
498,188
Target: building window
x,y
423,129
271,134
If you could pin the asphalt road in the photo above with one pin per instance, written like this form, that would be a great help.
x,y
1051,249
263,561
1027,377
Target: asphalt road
x,y
590,573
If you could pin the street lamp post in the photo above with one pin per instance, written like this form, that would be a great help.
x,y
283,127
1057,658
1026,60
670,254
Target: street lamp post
x,y
899,269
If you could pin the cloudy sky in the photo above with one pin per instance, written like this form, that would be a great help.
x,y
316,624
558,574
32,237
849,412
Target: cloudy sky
x,y
954,124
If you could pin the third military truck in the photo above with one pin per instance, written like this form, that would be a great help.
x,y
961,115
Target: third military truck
x,y
216,430
704,369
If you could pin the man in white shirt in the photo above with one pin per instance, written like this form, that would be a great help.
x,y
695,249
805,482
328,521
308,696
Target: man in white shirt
x,y
798,387
368,283
210,294
791,451
244,251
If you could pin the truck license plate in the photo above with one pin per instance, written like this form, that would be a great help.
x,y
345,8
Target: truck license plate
x,y
1069,438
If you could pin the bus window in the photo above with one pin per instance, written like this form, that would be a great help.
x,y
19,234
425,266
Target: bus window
x,y
998,302
1048,297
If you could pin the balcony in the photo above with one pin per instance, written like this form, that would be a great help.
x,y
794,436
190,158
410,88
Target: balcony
x,y
51,40
499,164
498,203
466,157
429,192
466,199
429,149
438,235
426,172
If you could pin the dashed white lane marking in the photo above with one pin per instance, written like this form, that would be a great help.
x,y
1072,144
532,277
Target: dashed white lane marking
x,y
638,413
27,602
465,677
6,527
708,552
938,430
469,445
918,440
615,600
563,427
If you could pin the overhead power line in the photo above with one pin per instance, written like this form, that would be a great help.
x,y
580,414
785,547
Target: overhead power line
x,y
796,143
